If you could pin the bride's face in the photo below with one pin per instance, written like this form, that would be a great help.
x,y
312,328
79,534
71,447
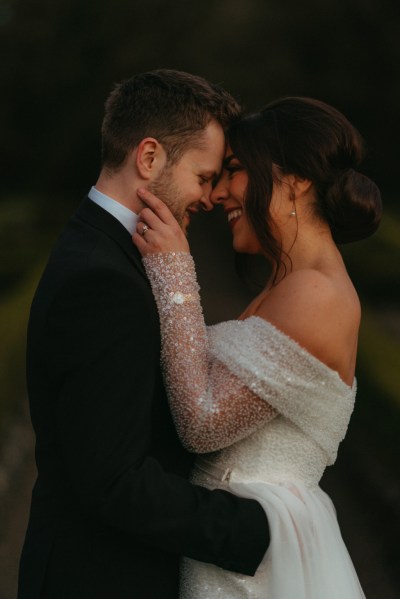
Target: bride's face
x,y
230,192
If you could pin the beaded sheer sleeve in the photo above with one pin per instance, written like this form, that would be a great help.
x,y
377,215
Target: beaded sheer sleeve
x,y
211,406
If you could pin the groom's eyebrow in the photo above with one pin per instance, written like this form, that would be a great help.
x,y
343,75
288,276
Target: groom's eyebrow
x,y
210,174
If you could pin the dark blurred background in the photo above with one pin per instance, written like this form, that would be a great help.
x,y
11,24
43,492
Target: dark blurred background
x,y
60,58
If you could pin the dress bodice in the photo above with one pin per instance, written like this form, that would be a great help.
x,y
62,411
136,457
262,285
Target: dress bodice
x,y
277,452
314,405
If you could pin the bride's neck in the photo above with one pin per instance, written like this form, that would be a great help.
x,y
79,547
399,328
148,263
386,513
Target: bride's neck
x,y
313,249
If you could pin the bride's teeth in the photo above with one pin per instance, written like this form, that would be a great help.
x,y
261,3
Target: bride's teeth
x,y
234,214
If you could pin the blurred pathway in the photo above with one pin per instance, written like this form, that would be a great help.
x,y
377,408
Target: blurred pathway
x,y
17,475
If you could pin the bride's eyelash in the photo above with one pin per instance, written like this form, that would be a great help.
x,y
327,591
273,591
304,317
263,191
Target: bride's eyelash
x,y
233,168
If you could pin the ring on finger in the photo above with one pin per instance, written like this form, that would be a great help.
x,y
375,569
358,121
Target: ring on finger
x,y
145,228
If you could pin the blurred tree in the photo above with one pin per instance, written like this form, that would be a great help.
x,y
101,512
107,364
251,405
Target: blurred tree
x,y
60,60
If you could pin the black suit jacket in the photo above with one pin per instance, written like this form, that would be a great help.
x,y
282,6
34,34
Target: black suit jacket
x,y
112,510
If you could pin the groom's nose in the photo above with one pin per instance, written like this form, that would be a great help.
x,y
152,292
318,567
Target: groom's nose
x,y
206,203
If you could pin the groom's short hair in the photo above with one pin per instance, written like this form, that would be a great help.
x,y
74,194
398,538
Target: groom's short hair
x,y
172,106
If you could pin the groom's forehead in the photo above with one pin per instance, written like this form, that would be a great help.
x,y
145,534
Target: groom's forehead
x,y
209,147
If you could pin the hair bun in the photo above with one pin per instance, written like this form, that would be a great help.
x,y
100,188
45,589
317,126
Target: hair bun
x,y
353,207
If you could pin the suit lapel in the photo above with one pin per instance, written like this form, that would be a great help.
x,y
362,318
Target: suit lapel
x,y
99,218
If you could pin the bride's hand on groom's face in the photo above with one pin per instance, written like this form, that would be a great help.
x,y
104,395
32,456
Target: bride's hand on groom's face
x,y
157,230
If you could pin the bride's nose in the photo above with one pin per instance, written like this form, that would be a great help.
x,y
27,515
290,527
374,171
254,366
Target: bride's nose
x,y
220,192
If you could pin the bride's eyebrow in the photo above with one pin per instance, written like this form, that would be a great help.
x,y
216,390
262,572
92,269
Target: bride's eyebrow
x,y
227,160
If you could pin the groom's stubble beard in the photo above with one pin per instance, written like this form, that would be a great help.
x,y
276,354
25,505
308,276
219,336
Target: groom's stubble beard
x,y
165,188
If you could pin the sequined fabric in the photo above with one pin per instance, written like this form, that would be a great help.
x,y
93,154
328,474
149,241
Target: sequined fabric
x,y
211,406
301,388
269,417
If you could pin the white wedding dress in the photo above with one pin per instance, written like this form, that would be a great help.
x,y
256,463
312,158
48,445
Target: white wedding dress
x,y
274,451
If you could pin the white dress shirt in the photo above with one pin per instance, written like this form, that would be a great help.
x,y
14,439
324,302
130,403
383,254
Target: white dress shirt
x,y
126,217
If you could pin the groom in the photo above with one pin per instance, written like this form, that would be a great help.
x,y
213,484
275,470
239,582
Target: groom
x,y
112,510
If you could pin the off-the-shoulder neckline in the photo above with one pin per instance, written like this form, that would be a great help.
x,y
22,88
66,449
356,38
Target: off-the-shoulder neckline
x,y
267,324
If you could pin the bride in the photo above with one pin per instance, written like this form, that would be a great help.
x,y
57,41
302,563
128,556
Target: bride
x,y
266,399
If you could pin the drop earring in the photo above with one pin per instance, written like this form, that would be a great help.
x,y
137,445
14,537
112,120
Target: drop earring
x,y
293,200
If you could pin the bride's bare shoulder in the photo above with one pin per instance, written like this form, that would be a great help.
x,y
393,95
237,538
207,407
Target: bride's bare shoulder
x,y
308,290
320,312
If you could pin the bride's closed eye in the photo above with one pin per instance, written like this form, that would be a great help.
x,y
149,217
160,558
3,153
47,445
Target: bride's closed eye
x,y
232,165
233,168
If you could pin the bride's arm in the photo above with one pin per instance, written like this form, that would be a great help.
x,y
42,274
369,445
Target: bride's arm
x,y
211,407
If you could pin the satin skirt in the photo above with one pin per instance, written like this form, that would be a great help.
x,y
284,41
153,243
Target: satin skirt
x,y
306,559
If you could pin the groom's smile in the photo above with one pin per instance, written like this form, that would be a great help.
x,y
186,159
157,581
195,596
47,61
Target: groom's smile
x,y
186,186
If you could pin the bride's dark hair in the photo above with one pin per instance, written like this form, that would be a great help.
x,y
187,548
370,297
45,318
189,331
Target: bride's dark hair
x,y
312,140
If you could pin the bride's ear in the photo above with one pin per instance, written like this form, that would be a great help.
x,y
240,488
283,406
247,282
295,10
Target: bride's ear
x,y
300,186
150,158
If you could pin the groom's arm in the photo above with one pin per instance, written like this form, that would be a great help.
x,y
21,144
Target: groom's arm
x,y
103,338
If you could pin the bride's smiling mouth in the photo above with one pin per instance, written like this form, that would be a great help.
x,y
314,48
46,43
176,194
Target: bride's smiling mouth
x,y
233,216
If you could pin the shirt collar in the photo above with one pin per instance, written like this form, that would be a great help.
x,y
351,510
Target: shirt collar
x,y
126,217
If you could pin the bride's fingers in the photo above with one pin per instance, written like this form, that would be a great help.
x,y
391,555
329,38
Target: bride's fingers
x,y
145,238
157,205
157,230
148,216
140,242
142,227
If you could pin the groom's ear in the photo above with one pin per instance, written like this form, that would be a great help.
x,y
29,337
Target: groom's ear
x,y
150,158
